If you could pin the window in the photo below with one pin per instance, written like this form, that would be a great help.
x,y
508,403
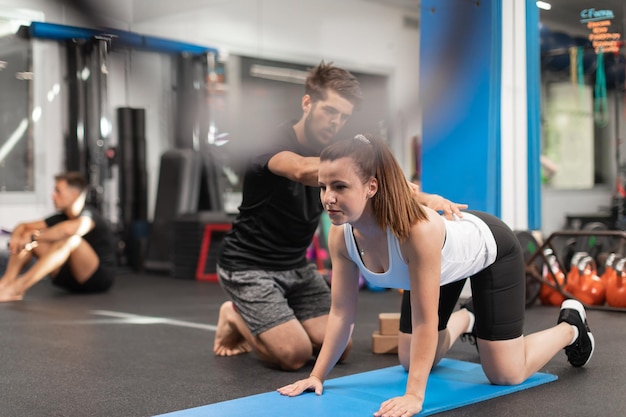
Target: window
x,y
582,71
16,138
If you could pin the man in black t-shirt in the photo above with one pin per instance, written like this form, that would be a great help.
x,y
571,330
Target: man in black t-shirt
x,y
75,246
280,303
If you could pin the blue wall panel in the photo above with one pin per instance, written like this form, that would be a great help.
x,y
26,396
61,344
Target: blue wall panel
x,y
460,96
533,82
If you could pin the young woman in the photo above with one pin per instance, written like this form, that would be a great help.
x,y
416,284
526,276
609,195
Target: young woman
x,y
380,231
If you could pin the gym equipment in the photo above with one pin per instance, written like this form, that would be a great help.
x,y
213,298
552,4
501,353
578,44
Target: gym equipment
x,y
133,184
588,58
118,38
319,255
614,70
610,265
597,246
191,101
585,284
553,274
88,122
87,142
4,260
187,184
214,230
573,275
555,47
615,281
451,384
178,193
529,246
589,295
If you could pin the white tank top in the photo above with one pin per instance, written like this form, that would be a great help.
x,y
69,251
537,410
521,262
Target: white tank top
x,y
469,248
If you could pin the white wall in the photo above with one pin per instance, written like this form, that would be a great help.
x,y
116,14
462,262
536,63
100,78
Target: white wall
x,y
359,35
363,36
47,131
135,79
556,205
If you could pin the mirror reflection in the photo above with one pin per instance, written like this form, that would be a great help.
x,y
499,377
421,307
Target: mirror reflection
x,y
16,138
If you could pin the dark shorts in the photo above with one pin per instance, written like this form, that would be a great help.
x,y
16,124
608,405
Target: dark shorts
x,y
498,291
265,299
100,281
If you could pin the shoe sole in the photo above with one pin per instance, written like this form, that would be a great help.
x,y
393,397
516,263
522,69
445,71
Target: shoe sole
x,y
577,305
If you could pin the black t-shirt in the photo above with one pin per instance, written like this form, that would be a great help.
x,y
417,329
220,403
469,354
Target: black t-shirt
x,y
277,217
100,237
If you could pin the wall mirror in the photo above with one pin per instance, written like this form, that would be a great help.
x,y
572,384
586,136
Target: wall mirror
x,y
16,109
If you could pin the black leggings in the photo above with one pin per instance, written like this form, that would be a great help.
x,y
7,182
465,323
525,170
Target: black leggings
x,y
498,291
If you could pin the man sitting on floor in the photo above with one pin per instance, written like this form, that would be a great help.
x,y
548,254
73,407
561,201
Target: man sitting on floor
x,y
75,246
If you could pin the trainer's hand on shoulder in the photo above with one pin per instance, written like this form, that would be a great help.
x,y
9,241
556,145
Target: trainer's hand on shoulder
x,y
309,384
438,203
404,406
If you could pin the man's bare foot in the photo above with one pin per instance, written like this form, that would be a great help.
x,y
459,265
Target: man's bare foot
x,y
228,340
6,294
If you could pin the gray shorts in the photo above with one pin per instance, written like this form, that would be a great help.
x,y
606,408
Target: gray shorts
x,y
266,299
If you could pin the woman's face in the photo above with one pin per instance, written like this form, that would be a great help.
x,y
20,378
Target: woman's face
x,y
343,194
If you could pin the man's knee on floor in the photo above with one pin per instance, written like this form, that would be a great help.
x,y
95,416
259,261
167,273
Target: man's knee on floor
x,y
294,356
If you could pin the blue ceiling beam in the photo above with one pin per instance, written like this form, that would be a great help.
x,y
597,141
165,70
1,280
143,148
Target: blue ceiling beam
x,y
119,38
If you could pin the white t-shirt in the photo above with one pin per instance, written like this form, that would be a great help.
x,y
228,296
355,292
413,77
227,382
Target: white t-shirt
x,y
469,247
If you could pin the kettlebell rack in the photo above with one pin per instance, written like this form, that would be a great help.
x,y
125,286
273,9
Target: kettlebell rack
x,y
540,254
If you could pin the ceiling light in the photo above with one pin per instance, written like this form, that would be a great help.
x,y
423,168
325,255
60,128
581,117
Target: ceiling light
x,y
278,74
544,5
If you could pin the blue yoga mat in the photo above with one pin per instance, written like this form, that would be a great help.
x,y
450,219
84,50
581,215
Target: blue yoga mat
x,y
451,384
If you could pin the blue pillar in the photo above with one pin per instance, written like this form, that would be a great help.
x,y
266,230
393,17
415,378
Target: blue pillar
x,y
533,83
460,85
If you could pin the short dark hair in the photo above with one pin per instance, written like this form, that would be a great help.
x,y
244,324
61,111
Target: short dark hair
x,y
74,179
329,77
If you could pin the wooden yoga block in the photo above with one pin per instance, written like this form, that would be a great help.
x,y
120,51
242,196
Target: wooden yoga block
x,y
389,324
383,344
385,340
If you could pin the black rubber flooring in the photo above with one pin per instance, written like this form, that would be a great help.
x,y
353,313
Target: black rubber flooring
x,y
145,349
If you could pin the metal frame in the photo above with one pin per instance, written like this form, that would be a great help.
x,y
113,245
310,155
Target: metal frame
x,y
532,270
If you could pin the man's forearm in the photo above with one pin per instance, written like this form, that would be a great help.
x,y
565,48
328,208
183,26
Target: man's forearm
x,y
21,230
52,234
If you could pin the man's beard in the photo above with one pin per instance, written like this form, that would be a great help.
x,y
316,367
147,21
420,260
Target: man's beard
x,y
312,140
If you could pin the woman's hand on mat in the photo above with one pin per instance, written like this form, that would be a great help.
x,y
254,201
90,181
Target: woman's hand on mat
x,y
405,406
311,383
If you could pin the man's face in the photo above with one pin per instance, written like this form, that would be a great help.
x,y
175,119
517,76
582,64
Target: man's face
x,y
324,118
64,195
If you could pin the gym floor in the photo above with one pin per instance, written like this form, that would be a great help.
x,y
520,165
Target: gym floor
x,y
145,348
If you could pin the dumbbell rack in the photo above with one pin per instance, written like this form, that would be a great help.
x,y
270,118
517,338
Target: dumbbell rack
x,y
531,263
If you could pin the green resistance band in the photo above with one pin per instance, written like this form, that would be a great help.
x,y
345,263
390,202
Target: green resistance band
x,y
601,106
